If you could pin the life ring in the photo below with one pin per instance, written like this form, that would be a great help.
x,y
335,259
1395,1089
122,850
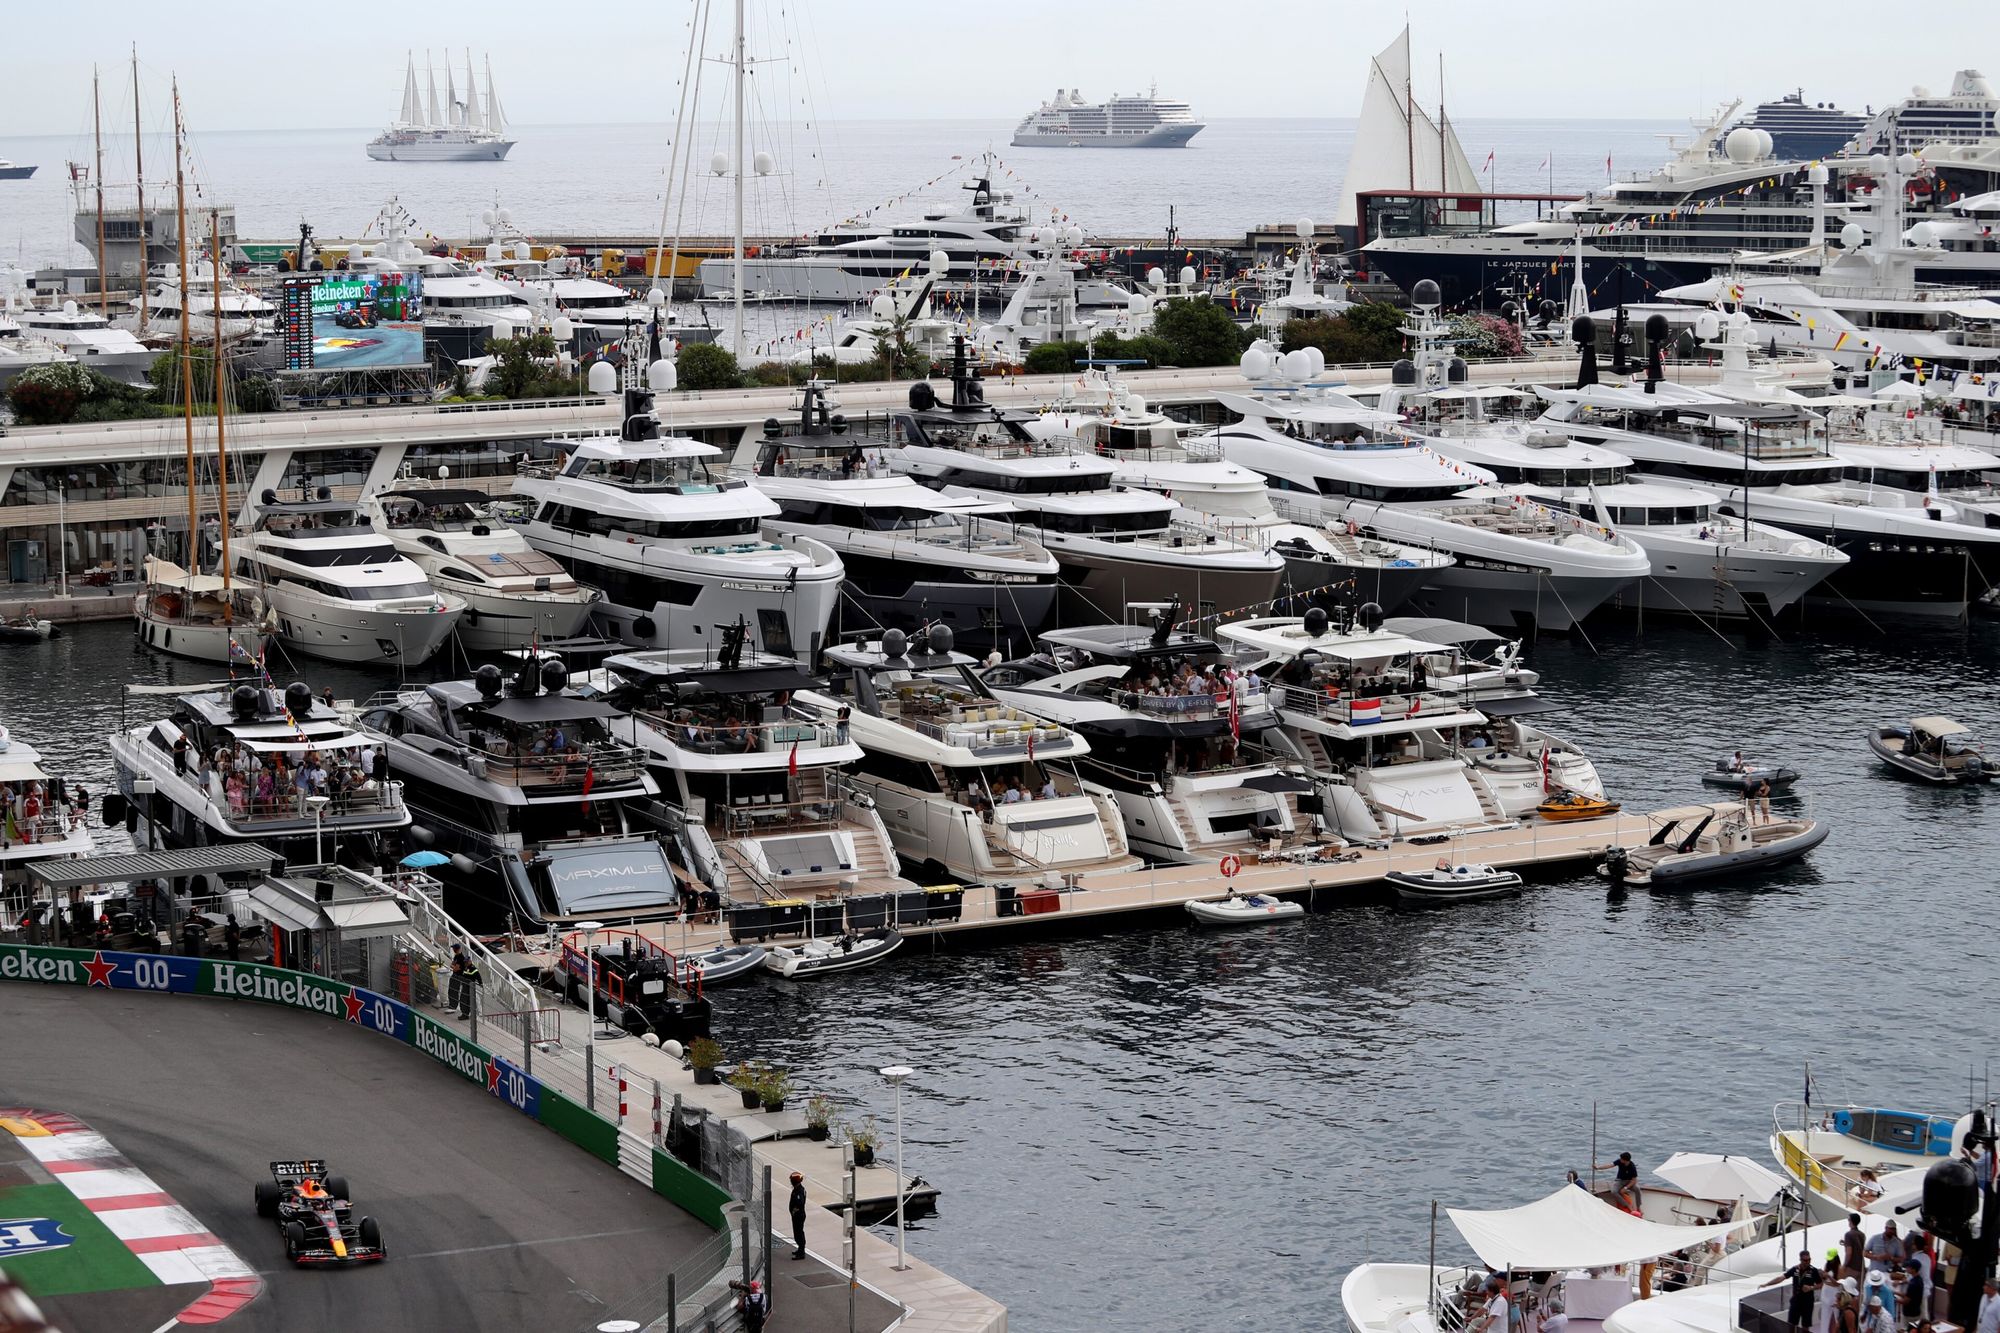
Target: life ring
x,y
1232,865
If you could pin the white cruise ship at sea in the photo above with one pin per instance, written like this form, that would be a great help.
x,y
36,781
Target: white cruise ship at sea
x,y
1068,121
462,131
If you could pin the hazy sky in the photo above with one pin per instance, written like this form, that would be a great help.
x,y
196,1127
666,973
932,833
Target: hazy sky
x,y
249,65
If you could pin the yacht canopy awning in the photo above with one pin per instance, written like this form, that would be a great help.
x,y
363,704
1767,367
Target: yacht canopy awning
x,y
1573,1228
544,709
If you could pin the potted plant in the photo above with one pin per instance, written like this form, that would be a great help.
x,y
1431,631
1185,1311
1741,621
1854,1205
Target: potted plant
x,y
773,1088
819,1117
704,1054
864,1137
748,1081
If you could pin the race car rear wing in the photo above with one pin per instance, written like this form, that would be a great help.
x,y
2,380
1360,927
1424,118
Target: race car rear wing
x,y
300,1169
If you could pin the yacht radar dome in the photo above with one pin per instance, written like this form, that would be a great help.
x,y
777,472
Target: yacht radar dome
x,y
1304,228
895,643
940,263
1851,236
489,681
655,297
1315,358
1316,621
1741,144
1187,275
939,637
602,379
1707,326
1817,174
763,164
661,376
1155,277
1426,296
1255,363
719,165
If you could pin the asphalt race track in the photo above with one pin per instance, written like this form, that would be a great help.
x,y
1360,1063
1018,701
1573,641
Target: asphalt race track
x,y
491,1220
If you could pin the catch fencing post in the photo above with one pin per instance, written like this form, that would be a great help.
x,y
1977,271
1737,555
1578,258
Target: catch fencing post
x,y
528,1042
472,994
658,1137
673,1306
618,1074
767,1226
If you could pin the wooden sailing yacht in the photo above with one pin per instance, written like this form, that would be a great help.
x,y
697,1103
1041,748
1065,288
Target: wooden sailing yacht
x,y
183,611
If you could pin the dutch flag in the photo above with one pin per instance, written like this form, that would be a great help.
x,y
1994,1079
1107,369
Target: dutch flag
x,y
1363,711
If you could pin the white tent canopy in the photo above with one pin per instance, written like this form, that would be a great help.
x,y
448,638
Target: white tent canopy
x,y
1573,1228
1721,1177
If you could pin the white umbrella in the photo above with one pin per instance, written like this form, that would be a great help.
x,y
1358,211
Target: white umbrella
x,y
1898,389
1721,1177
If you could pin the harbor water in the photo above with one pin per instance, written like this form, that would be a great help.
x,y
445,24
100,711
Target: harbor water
x,y
608,179
1159,1129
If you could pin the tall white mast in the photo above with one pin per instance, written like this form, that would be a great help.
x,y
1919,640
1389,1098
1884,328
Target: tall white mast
x,y
430,77
453,111
736,253
471,94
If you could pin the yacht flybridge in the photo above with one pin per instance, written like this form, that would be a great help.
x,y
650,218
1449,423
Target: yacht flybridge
x,y
514,595
1148,452
337,588
1176,737
1330,460
545,817
914,556
968,786
679,548
1116,546
1766,456
1704,563
762,780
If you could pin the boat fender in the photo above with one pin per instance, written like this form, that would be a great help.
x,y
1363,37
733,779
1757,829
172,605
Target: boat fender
x,y
644,627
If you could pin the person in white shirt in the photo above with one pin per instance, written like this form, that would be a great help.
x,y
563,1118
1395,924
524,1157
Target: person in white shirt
x,y
1989,1309
1495,1318
1013,796
1878,1319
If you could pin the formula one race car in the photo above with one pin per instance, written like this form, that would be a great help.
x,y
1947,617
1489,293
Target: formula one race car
x,y
315,1217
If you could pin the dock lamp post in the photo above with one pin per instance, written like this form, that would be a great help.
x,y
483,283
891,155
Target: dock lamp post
x,y
590,929
896,1074
318,804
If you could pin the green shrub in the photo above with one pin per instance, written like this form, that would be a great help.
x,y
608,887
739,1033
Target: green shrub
x,y
708,366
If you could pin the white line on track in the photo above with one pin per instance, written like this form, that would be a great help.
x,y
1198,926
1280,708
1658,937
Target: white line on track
x,y
487,1249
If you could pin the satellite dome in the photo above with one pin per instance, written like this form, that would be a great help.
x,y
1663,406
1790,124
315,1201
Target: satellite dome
x,y
1583,330
1851,236
1318,360
655,297
1255,364
1816,174
1135,405
1657,327
1878,164
487,217
895,643
299,698
493,252
1426,296
1919,90
561,329
763,164
1316,621
1370,616
1457,372
1156,277
719,165
1304,228
1073,236
356,253
940,263
554,675
939,638
661,376
1707,325
1187,275
1924,236
1739,320
1763,143
1403,373
1296,366
1136,304
882,307
1741,144
602,378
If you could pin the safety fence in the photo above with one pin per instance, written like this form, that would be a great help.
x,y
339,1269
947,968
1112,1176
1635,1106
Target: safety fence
x,y
639,1154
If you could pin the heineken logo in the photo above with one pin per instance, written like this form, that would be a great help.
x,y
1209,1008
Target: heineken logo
x,y
248,981
18,964
449,1049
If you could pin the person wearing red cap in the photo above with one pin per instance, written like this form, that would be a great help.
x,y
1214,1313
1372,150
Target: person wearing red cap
x,y
754,1304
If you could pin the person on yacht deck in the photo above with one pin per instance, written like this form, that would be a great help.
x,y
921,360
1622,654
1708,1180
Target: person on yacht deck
x,y
1627,1187
1879,1319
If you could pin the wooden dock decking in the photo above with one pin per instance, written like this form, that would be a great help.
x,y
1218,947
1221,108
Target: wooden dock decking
x,y
1101,901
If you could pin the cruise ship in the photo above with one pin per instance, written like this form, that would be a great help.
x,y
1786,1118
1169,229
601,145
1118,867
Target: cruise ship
x,y
462,132
1067,121
1967,114
1800,130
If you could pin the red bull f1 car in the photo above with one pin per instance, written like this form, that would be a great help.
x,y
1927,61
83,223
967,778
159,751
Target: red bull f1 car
x,y
315,1217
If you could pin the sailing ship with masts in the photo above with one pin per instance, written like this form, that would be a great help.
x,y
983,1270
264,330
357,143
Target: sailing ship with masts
x,y
463,130
181,610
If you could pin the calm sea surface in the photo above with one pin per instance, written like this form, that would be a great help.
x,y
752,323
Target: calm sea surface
x,y
598,179
1165,1130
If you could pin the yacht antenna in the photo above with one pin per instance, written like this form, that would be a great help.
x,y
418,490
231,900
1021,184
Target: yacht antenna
x,y
97,132
736,252
187,345
221,408
139,179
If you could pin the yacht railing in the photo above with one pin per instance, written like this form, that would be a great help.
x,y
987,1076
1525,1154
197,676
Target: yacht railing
x,y
706,737
1190,707
744,819
987,736
601,762
1394,702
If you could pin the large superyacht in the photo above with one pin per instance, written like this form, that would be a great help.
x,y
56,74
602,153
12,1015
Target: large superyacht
x,y
914,556
1116,545
679,548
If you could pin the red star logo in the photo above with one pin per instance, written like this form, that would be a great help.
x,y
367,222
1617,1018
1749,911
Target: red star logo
x,y
355,1004
100,971
493,1076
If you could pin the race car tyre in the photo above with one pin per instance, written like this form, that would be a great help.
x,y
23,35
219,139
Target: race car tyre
x,y
295,1240
337,1187
371,1234
267,1198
